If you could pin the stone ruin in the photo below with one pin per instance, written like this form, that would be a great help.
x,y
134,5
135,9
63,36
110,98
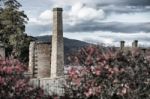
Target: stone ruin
x,y
134,44
46,60
57,55
39,55
46,65
122,44
2,51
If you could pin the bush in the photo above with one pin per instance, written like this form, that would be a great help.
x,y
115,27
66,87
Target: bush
x,y
13,83
98,75
110,75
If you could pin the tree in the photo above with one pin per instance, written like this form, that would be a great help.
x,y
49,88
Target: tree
x,y
12,30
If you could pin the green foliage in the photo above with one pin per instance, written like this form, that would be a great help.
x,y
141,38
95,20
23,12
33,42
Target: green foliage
x,y
12,30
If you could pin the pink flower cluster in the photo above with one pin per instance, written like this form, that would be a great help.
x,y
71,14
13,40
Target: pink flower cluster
x,y
14,85
108,74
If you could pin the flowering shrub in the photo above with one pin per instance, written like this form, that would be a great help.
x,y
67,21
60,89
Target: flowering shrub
x,y
14,85
110,75
99,74
90,55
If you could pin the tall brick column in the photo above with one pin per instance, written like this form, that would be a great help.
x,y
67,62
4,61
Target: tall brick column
x,y
122,44
57,55
51,77
135,44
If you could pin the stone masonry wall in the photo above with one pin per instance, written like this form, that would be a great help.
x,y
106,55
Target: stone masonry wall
x,y
57,56
50,86
39,59
31,57
43,53
2,50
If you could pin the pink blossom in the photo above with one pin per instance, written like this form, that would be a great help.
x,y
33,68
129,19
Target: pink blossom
x,y
1,80
115,69
89,93
124,90
98,72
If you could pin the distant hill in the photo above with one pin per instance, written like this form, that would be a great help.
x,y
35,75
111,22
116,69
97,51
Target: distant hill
x,y
72,46
69,44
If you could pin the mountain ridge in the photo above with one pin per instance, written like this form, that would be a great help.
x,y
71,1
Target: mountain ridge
x,y
69,44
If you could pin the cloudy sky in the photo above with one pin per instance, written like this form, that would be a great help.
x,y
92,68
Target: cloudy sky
x,y
98,21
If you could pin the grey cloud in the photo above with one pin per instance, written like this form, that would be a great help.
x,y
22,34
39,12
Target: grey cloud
x,y
125,9
128,37
35,7
124,6
119,6
124,2
109,26
131,39
94,26
137,2
35,30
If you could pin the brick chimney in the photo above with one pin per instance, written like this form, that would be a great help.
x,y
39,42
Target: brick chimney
x,y
122,44
135,44
57,55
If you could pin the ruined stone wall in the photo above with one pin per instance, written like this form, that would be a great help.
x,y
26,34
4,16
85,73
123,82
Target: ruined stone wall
x,y
2,50
50,86
39,59
43,53
31,57
122,44
135,44
49,65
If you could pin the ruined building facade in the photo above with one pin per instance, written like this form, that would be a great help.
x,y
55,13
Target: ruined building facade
x,y
46,61
39,59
